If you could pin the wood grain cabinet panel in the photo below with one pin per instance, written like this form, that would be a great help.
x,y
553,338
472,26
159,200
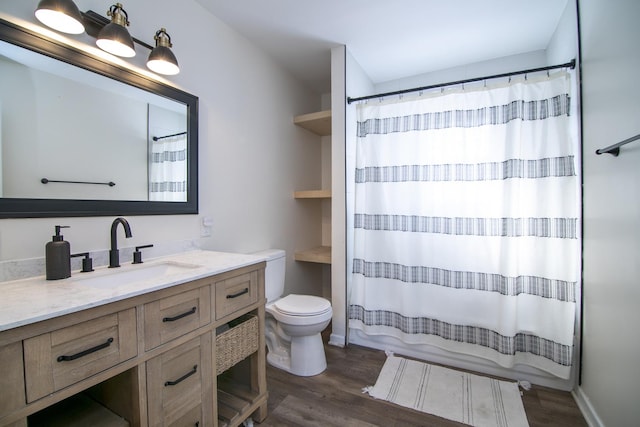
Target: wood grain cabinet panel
x,y
11,378
171,317
235,293
66,356
176,381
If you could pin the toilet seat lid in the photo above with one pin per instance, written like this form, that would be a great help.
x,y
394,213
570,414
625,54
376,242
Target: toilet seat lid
x,y
302,305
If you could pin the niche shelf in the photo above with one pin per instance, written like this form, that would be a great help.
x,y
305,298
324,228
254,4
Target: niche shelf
x,y
318,123
319,254
312,194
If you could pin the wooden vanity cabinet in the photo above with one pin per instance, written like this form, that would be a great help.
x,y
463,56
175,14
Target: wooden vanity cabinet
x,y
11,378
150,360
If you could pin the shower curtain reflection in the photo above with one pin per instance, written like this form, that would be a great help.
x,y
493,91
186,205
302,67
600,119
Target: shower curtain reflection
x,y
167,153
168,169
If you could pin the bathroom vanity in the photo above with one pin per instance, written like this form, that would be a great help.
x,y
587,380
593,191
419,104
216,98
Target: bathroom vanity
x,y
177,341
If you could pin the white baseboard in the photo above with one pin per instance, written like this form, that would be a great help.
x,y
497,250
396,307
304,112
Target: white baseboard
x,y
337,340
588,412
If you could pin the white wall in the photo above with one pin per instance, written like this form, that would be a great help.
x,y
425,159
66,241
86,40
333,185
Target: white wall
x,y
252,157
610,112
354,83
563,46
506,64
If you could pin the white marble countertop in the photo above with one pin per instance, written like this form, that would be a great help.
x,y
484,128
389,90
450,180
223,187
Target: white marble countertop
x,y
34,299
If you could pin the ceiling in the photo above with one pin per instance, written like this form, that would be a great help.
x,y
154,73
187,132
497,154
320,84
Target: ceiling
x,y
390,39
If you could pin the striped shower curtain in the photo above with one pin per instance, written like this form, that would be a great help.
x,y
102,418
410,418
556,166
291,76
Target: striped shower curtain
x,y
466,228
168,169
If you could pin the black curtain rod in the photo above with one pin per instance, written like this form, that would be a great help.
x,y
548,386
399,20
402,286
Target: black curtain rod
x,y
571,64
156,138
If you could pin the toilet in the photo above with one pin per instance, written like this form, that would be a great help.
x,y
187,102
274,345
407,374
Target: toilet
x,y
293,322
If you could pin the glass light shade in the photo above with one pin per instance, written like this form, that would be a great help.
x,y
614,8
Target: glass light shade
x,y
163,61
61,15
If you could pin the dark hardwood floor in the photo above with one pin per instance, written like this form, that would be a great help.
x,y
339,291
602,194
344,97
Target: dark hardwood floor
x,y
335,398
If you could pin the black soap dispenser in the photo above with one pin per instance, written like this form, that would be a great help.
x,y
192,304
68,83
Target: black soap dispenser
x,y
58,256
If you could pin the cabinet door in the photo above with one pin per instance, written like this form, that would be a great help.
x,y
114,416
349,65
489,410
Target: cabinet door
x,y
179,382
66,356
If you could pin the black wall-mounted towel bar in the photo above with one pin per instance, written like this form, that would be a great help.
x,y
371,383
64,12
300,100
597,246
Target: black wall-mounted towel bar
x,y
615,148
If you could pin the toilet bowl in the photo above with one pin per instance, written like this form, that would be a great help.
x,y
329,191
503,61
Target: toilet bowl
x,y
293,322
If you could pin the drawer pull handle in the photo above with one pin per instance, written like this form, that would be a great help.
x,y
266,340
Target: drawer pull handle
x,y
179,316
237,294
85,352
182,378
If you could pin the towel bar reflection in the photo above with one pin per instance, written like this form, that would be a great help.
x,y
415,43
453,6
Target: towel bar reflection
x,y
614,149
46,181
158,138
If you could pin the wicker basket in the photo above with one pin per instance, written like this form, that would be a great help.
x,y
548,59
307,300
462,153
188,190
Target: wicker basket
x,y
237,343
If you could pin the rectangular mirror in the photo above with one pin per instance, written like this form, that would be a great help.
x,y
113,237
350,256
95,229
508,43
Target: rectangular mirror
x,y
83,137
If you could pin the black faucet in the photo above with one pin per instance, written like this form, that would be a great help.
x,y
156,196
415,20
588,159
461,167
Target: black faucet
x,y
114,254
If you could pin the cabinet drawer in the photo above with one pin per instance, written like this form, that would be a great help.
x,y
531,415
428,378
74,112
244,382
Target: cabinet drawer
x,y
65,356
175,382
236,293
174,316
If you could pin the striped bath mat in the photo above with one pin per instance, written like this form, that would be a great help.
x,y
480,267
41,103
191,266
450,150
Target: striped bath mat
x,y
455,395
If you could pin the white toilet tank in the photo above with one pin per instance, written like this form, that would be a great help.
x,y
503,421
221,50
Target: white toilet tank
x,y
274,272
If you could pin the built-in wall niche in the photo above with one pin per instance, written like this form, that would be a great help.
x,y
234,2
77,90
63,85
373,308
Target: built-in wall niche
x,y
112,403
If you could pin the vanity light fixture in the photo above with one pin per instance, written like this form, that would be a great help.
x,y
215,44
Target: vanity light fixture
x,y
114,37
61,15
161,59
111,35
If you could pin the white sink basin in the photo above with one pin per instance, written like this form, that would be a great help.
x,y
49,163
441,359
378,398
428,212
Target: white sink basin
x,y
114,277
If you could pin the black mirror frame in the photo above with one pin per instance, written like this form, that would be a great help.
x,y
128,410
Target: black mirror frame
x,y
42,208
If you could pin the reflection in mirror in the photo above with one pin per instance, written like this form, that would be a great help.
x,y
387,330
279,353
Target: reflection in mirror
x,y
120,143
